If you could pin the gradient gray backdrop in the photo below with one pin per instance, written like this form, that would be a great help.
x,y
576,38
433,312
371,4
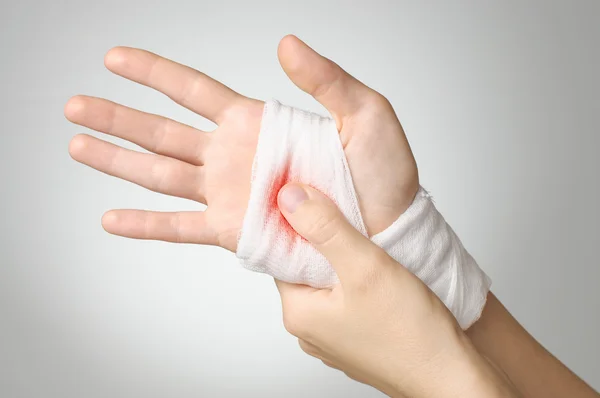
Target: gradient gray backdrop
x,y
500,101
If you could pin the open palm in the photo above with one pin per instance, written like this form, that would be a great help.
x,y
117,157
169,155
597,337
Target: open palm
x,y
214,168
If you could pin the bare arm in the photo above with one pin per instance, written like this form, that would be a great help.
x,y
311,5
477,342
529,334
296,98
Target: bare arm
x,y
532,369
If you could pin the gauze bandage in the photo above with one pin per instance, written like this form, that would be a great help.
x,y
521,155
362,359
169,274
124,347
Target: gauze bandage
x,y
300,146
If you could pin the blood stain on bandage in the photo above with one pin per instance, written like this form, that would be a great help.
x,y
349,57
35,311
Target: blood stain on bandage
x,y
288,235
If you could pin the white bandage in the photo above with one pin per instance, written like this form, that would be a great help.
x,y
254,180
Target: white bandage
x,y
299,146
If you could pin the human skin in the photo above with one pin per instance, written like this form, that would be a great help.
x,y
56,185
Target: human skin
x,y
380,325
214,168
533,370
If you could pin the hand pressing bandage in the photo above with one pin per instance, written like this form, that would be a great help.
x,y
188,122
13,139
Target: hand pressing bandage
x,y
239,182
299,146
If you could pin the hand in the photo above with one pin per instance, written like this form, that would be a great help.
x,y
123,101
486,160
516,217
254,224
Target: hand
x,y
381,325
214,168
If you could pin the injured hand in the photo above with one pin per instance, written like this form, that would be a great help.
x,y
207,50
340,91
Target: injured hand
x,y
215,168
302,147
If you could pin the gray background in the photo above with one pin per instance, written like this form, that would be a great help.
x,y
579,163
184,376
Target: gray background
x,y
500,103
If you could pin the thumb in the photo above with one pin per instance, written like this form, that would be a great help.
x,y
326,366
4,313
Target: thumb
x,y
322,78
317,219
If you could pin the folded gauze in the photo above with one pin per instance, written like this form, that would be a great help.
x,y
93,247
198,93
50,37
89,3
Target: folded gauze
x,y
300,146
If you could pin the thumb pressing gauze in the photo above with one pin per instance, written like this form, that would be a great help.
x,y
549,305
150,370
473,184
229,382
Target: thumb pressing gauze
x,y
299,146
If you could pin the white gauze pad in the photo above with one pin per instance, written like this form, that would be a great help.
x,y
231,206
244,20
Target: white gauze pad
x,y
300,146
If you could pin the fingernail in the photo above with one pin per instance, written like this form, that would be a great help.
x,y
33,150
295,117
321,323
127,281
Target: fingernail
x,y
291,196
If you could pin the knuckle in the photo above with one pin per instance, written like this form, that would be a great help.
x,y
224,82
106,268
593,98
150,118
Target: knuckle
x,y
289,326
292,322
189,92
332,76
324,228
162,132
176,227
160,176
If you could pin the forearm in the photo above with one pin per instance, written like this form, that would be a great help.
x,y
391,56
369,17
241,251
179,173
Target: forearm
x,y
460,371
531,368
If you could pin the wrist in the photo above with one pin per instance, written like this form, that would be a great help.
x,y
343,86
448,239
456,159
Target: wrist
x,y
467,374
457,372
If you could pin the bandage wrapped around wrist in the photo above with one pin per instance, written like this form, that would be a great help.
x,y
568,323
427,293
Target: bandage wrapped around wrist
x,y
300,146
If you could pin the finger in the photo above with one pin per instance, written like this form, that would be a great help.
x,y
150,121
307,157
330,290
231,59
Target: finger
x,y
180,227
152,132
154,172
318,220
315,352
293,291
184,85
300,305
294,295
320,77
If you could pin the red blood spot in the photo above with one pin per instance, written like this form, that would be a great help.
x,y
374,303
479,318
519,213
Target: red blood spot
x,y
290,236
